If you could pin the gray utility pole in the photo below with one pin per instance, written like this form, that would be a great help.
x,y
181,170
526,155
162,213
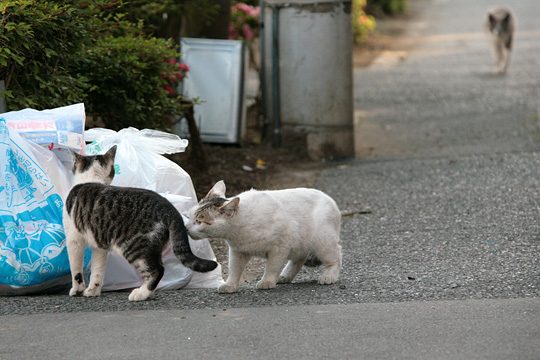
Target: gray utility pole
x,y
310,43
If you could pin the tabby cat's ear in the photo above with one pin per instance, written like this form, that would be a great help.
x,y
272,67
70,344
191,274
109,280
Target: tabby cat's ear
x,y
76,156
230,207
77,159
218,190
110,154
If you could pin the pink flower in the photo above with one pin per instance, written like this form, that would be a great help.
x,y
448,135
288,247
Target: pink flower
x,y
248,33
255,12
183,67
249,10
244,8
171,61
169,89
233,33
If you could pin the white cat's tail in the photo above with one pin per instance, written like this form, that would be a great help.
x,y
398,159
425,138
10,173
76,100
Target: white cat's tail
x,y
182,250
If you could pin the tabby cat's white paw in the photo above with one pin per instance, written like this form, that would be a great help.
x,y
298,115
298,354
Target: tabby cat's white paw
x,y
95,291
139,294
76,290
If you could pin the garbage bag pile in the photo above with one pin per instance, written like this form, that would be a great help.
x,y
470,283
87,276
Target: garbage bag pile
x,y
35,178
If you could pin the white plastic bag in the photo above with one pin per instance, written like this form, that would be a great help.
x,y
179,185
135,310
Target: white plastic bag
x,y
138,163
33,186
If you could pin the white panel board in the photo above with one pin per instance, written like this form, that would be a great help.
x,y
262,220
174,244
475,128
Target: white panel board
x,y
216,77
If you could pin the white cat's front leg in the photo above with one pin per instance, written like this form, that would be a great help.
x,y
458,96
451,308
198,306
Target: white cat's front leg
x,y
75,248
99,265
273,267
237,263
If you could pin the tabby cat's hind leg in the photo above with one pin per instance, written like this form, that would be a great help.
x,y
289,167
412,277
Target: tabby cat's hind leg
x,y
151,270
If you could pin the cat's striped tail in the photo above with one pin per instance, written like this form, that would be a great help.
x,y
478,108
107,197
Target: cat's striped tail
x,y
182,250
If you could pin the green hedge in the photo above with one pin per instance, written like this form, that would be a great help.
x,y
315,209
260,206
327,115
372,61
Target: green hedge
x,y
55,53
38,43
128,76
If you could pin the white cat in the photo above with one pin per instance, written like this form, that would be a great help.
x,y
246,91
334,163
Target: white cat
x,y
291,225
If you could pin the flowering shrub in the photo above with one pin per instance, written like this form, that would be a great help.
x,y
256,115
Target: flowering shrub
x,y
244,23
38,40
129,75
176,72
362,23
54,53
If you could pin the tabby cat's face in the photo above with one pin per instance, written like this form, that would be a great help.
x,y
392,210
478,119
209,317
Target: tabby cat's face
x,y
97,168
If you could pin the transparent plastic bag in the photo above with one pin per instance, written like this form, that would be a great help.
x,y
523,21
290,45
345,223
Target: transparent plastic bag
x,y
139,163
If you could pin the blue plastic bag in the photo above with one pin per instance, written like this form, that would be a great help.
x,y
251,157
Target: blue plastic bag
x,y
33,256
60,129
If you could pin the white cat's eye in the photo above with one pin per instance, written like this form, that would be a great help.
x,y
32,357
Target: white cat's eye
x,y
201,221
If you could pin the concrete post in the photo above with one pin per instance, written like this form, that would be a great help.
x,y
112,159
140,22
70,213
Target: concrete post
x,y
315,73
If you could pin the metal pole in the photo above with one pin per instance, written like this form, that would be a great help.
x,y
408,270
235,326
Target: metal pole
x,y
262,70
276,103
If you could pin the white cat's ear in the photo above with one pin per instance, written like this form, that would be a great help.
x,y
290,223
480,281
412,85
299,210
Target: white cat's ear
x,y
230,207
218,190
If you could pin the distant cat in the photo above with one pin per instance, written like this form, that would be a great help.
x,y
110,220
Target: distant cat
x,y
501,26
283,226
135,223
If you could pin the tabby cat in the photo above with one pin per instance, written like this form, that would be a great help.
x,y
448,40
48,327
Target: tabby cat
x,y
135,223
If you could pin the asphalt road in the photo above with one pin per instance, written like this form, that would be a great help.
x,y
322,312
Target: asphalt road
x,y
472,329
441,235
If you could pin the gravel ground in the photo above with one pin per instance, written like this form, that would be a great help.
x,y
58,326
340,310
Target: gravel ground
x,y
450,210
425,229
